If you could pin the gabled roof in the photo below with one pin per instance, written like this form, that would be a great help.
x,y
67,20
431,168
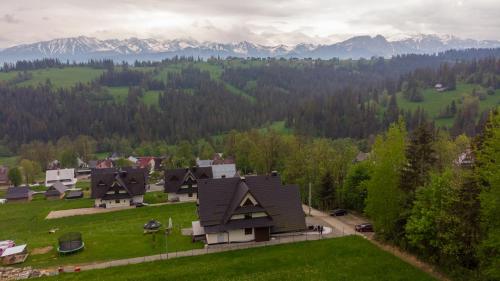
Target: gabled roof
x,y
56,189
133,180
219,199
14,250
143,162
20,192
174,178
59,175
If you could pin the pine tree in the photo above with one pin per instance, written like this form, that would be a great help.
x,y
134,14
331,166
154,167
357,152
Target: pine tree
x,y
488,167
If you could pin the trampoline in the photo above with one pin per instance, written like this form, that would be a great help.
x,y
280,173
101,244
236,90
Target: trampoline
x,y
152,226
70,243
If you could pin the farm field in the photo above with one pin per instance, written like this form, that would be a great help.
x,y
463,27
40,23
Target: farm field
x,y
349,258
107,236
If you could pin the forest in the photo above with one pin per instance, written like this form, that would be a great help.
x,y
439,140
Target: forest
x,y
429,183
187,98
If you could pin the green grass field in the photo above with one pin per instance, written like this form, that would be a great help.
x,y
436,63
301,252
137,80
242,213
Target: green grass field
x,y
9,161
435,101
63,77
107,236
343,259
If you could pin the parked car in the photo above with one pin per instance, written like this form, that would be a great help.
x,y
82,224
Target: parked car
x,y
338,212
138,205
364,227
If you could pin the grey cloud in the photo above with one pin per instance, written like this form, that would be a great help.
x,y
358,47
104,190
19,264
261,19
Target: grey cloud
x,y
8,18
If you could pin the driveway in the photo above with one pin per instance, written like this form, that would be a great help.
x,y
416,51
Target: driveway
x,y
343,224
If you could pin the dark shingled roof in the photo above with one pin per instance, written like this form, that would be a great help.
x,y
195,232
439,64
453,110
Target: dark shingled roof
x,y
132,180
74,194
56,189
219,199
20,192
175,178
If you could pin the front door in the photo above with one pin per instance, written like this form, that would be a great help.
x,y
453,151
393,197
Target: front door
x,y
261,234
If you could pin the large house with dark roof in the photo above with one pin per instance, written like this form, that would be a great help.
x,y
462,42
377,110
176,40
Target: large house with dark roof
x,y
247,209
118,187
182,184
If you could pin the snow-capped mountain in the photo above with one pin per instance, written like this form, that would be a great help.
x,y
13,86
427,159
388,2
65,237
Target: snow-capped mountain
x,y
84,48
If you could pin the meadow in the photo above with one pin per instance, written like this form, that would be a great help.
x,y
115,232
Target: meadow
x,y
435,101
107,236
349,258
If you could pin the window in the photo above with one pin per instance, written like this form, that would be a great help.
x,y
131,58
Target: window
x,y
248,216
248,231
117,201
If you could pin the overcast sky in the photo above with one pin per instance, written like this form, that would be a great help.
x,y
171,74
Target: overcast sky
x,y
260,21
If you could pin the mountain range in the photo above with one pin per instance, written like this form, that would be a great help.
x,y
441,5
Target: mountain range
x,y
84,48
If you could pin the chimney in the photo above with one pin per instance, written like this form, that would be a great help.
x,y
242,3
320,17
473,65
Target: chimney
x,y
274,173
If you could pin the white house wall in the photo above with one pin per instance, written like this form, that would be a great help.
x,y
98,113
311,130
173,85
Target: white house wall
x,y
235,235
183,197
227,170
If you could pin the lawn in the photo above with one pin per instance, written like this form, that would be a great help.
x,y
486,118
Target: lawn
x,y
348,258
9,161
63,77
155,197
107,236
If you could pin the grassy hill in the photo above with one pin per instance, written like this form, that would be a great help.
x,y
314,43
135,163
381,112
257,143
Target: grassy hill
x,y
348,258
59,77
435,101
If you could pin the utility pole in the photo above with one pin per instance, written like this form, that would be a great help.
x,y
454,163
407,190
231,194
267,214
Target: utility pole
x,y
309,198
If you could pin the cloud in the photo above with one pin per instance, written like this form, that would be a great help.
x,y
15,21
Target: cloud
x,y
260,21
8,18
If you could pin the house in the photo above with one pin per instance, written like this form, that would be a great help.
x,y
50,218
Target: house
x,y
181,184
465,159
56,191
65,176
133,159
74,194
19,194
13,255
101,164
247,209
223,171
440,87
147,163
54,165
221,168
4,175
112,187
81,164
362,156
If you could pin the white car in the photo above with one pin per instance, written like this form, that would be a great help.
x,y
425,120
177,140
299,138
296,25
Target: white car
x,y
3,201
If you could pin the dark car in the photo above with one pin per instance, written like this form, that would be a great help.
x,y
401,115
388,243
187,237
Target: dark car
x,y
364,227
338,212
